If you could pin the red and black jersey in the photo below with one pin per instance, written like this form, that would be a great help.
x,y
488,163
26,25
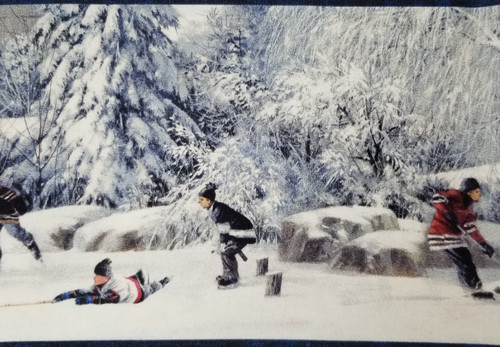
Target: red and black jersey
x,y
453,217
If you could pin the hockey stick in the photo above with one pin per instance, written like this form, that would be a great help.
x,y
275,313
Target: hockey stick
x,y
240,253
466,234
29,303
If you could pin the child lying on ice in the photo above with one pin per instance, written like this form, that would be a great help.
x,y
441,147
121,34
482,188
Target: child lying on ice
x,y
110,289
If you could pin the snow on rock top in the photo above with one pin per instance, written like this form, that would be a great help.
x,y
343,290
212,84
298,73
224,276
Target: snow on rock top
x,y
365,216
123,231
375,242
54,229
313,235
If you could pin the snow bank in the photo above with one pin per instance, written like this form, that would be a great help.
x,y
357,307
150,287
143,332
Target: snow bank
x,y
485,174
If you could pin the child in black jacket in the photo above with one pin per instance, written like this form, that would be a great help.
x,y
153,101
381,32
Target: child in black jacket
x,y
12,206
236,231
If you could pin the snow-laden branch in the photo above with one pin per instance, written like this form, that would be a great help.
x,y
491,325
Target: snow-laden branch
x,y
489,37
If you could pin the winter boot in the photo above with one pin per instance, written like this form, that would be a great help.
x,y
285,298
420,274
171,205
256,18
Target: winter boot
x,y
483,295
33,247
141,276
224,281
164,281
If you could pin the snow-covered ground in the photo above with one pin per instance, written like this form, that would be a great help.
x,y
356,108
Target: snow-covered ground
x,y
314,304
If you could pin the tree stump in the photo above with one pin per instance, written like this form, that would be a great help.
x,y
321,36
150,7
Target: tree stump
x,y
273,286
262,266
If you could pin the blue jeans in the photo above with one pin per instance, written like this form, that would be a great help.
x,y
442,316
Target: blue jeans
x,y
18,232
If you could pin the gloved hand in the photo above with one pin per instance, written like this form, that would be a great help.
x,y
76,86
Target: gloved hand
x,y
84,300
487,249
224,238
63,296
451,218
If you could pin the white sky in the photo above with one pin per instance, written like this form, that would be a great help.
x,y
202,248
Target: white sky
x,y
191,19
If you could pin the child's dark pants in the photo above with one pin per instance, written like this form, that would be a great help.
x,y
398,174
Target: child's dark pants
x,y
467,273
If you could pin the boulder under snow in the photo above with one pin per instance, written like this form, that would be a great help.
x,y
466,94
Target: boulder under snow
x,y
315,235
134,230
54,229
359,239
389,253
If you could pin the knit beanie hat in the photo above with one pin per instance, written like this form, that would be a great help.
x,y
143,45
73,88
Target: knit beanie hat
x,y
103,268
469,184
208,192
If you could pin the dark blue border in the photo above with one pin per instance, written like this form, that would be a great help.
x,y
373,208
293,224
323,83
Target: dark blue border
x,y
362,3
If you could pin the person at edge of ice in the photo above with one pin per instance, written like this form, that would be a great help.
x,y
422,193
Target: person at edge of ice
x,y
235,232
111,289
12,206
454,219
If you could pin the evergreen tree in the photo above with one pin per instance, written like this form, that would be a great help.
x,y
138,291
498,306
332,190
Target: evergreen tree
x,y
223,87
108,83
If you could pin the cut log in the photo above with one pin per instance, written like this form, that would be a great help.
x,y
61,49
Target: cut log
x,y
262,266
273,286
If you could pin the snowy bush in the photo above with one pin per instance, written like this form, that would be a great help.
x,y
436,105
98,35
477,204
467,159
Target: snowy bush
x,y
411,198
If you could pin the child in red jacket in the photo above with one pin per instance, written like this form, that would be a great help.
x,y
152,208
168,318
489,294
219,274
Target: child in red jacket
x,y
455,218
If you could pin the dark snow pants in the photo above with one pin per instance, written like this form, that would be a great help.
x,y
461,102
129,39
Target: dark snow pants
x,y
150,288
229,262
467,273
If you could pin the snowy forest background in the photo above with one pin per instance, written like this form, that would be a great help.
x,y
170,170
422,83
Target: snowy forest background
x,y
286,108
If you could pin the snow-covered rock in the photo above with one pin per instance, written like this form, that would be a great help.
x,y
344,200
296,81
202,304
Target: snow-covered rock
x,y
135,230
390,253
314,235
54,228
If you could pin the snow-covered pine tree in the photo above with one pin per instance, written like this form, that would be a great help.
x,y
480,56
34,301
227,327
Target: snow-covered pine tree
x,y
108,81
223,88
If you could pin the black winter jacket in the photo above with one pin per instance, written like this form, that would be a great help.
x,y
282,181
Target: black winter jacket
x,y
11,205
222,213
240,226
